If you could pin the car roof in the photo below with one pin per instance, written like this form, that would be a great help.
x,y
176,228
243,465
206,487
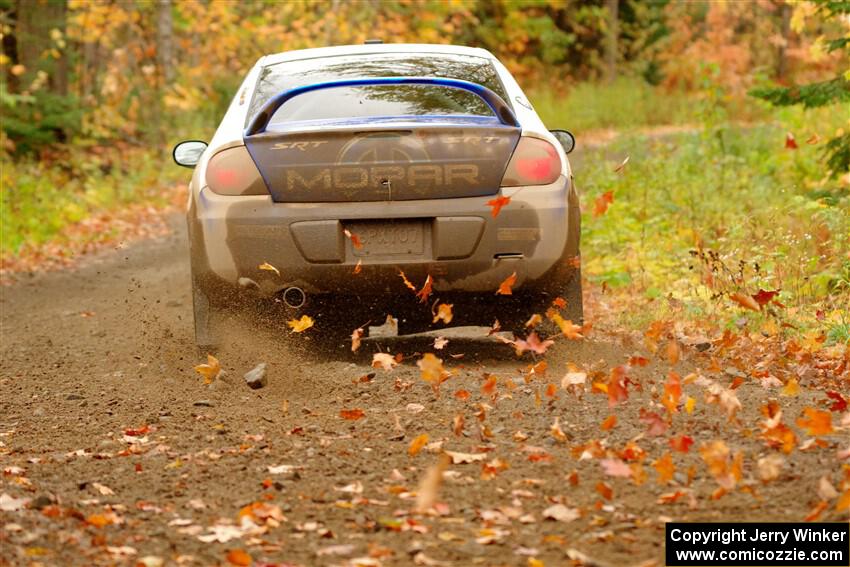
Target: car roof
x,y
374,48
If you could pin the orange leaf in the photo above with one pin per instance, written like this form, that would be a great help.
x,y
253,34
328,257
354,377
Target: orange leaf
x,y
423,293
605,490
745,301
791,389
356,335
358,267
497,204
790,142
407,283
816,422
665,468
355,240
238,557
600,206
505,286
417,444
672,393
682,443
609,423
673,352
489,385
462,395
444,313
352,414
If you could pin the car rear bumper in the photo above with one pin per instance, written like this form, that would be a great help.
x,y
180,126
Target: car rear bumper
x,y
456,241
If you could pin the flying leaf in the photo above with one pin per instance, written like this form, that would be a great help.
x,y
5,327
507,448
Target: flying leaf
x,y
725,468
791,388
352,414
358,267
533,321
269,268
770,467
417,444
617,390
497,204
556,430
429,486
682,443
622,165
605,490
355,240
745,301
813,139
816,422
672,392
464,458
300,325
609,423
356,335
407,282
616,468
531,343
600,206
568,329
444,313
505,286
657,425
790,142
433,371
764,297
384,360
440,343
210,370
423,293
561,513
665,468
238,557
840,403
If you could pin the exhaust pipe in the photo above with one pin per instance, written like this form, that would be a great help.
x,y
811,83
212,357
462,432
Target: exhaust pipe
x,y
294,297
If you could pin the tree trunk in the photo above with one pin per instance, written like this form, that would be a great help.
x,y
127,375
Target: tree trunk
x,y
611,50
165,41
35,22
785,32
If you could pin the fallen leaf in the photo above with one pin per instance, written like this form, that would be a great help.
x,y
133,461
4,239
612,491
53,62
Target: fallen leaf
x,y
384,360
561,513
238,557
352,414
682,443
605,490
417,444
770,467
609,423
616,468
210,370
300,325
497,204
464,458
505,286
269,268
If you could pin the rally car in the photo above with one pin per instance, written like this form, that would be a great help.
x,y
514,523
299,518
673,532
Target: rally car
x,y
367,173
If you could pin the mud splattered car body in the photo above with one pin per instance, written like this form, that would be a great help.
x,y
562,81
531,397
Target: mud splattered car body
x,y
377,159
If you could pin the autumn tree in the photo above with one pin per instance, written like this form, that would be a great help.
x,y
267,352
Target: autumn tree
x,y
832,91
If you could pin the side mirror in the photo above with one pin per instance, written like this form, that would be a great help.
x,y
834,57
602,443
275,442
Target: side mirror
x,y
188,153
567,140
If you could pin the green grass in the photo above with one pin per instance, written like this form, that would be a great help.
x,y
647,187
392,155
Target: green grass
x,y
762,215
39,199
630,103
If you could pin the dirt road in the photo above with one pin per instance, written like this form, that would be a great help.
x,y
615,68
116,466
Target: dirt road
x,y
114,451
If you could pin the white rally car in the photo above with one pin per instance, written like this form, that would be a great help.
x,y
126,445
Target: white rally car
x,y
345,177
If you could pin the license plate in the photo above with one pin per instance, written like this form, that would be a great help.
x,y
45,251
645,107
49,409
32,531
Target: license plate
x,y
383,238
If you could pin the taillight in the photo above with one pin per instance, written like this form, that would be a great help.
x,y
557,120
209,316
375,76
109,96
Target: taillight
x,y
232,172
535,162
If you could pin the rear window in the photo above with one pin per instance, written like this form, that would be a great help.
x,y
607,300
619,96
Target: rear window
x,y
378,100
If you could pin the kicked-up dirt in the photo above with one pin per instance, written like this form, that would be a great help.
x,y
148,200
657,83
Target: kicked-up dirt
x,y
114,451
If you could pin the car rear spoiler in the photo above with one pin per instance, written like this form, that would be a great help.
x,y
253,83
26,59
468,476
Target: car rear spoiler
x,y
496,103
